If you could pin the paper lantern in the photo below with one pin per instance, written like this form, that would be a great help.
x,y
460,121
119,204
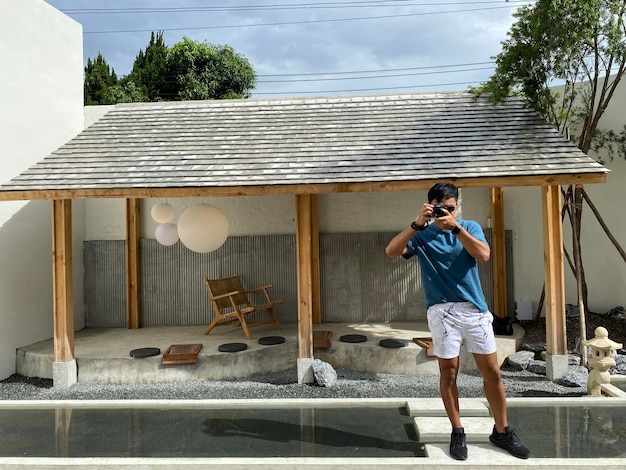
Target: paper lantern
x,y
162,213
203,228
166,234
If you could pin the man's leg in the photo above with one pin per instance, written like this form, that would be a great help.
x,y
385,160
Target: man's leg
x,y
448,371
494,388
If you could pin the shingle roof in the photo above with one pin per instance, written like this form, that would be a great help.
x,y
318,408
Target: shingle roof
x,y
329,140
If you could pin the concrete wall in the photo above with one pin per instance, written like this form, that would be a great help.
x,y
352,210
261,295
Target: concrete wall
x,y
41,72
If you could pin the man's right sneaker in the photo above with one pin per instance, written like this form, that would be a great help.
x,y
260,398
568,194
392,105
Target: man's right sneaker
x,y
509,441
458,447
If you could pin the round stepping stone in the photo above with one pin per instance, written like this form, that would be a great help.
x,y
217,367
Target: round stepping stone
x,y
271,340
232,347
353,339
140,353
393,343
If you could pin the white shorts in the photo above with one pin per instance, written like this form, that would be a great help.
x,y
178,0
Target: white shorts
x,y
456,324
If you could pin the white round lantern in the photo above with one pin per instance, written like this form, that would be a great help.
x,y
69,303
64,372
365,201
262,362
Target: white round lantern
x,y
166,234
162,213
203,228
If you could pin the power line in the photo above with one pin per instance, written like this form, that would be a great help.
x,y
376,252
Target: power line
x,y
363,89
377,71
288,23
274,7
374,76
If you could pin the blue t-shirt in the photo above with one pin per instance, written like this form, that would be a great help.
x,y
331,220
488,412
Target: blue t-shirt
x,y
449,272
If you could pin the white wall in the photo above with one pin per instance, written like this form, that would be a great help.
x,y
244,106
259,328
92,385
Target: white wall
x,y
257,215
41,70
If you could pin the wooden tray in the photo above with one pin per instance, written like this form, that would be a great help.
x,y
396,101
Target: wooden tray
x,y
427,344
321,339
182,354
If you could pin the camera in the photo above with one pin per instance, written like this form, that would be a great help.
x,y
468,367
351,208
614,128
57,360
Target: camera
x,y
438,211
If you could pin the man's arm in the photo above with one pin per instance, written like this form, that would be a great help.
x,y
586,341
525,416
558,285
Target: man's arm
x,y
475,247
397,245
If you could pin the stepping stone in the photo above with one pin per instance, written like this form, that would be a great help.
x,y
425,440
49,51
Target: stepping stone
x,y
432,430
141,353
434,407
393,343
232,347
353,338
271,340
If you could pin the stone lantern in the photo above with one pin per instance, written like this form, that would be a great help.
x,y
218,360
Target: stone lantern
x,y
600,360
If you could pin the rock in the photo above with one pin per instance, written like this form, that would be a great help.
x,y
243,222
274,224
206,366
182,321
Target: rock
x,y
575,377
325,375
520,359
571,310
573,360
534,347
537,367
620,365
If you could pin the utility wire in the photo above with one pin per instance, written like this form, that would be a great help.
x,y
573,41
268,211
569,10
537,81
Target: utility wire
x,y
288,23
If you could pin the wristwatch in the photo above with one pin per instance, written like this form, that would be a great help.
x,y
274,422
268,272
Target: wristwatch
x,y
456,230
414,226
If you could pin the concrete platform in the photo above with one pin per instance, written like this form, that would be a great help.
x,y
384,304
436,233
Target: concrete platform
x,y
103,355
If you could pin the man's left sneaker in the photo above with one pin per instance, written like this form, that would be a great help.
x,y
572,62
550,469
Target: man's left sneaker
x,y
509,441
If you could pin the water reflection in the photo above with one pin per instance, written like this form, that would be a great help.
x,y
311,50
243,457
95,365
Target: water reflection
x,y
572,431
78,432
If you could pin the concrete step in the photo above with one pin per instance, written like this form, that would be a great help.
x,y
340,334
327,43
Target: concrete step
x,y
434,407
437,429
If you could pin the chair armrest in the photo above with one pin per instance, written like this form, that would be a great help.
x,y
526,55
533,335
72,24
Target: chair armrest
x,y
229,294
264,289
259,288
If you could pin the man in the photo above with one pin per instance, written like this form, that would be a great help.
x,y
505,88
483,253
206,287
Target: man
x,y
448,250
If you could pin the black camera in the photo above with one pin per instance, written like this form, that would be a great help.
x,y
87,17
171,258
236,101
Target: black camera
x,y
438,211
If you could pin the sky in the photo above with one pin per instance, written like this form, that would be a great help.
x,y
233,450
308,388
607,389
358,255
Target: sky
x,y
314,48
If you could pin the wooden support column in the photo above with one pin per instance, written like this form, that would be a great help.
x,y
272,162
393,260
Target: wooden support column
x,y
304,241
316,311
133,313
498,254
63,290
556,358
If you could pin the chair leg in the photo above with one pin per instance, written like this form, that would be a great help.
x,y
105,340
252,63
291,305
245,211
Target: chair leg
x,y
273,316
244,325
212,325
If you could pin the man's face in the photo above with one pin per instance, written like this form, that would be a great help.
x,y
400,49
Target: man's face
x,y
448,204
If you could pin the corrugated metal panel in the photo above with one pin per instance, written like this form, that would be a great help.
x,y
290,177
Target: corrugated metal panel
x,y
105,283
359,283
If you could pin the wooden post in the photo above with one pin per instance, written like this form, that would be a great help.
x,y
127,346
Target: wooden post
x,y
498,254
305,275
133,313
554,278
63,290
316,310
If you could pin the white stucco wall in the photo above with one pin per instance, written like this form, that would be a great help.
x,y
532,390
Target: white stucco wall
x,y
41,72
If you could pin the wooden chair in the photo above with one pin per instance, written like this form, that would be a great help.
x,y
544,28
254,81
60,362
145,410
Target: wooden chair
x,y
231,304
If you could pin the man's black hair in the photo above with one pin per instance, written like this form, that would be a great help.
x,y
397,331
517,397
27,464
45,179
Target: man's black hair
x,y
442,191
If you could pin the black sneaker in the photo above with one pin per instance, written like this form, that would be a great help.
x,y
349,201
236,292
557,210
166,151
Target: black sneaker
x,y
509,441
458,448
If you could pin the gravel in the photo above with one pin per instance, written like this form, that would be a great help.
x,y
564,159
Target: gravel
x,y
350,384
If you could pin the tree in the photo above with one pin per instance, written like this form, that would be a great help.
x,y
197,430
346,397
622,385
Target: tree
x,y
189,70
205,71
98,78
579,45
150,70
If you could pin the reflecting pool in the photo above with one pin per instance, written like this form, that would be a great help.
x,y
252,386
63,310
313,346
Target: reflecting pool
x,y
572,431
205,432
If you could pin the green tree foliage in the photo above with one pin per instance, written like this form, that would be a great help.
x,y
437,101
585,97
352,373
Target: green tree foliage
x,y
578,44
99,77
189,70
205,71
150,70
